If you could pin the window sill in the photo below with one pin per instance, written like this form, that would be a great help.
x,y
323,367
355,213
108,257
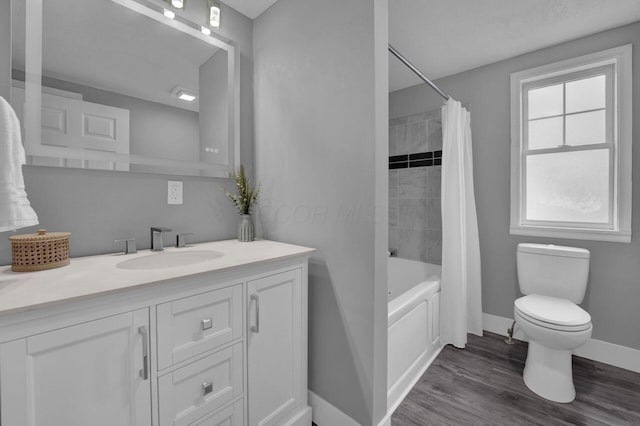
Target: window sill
x,y
572,233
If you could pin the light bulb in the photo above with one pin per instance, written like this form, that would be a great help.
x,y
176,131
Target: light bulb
x,y
178,4
214,14
205,30
169,14
186,96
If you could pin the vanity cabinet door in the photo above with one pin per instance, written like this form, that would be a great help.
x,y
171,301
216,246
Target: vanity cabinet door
x,y
95,373
277,348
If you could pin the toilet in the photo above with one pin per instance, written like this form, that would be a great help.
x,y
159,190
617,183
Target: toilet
x,y
553,280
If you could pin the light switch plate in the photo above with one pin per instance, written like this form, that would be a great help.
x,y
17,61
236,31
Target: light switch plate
x,y
174,192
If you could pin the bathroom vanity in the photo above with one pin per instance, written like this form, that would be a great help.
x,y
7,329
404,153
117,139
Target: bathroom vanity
x,y
213,334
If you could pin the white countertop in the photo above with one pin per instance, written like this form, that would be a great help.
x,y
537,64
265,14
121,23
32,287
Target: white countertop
x,y
96,275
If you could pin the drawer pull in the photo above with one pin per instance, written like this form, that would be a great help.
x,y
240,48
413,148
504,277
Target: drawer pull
x,y
207,388
206,324
144,372
256,328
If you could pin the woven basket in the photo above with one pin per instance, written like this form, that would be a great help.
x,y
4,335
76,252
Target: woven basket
x,y
37,252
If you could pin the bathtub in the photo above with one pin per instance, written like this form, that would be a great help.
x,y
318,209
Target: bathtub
x,y
413,325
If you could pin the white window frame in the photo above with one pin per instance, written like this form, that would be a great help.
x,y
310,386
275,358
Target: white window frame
x,y
619,59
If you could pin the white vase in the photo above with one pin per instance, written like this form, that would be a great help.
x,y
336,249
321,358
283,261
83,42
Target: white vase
x,y
245,228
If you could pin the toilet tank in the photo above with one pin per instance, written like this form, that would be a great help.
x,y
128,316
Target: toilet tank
x,y
551,270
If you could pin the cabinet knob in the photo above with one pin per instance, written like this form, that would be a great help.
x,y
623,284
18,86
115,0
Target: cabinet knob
x,y
207,388
206,323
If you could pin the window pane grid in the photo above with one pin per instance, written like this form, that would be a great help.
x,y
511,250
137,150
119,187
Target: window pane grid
x,y
564,113
557,140
570,148
567,114
590,127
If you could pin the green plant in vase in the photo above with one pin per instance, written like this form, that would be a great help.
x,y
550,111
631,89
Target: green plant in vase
x,y
244,199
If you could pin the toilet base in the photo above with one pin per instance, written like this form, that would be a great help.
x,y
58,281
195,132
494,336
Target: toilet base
x,y
548,373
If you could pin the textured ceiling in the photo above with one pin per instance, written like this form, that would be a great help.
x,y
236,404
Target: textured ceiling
x,y
445,37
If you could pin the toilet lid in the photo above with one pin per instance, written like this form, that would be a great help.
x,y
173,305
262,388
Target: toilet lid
x,y
553,311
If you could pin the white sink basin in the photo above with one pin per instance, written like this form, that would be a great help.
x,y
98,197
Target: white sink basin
x,y
169,259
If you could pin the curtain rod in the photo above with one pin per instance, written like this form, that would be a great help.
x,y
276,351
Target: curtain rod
x,y
417,71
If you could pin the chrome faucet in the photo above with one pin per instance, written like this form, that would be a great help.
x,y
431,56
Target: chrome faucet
x,y
156,237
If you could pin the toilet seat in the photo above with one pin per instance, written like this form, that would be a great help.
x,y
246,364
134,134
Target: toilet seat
x,y
553,313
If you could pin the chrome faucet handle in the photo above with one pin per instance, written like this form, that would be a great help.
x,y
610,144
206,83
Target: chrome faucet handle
x,y
181,239
129,245
156,237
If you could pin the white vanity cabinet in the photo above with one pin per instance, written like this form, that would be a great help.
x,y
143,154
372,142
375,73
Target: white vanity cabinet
x,y
94,373
212,347
278,350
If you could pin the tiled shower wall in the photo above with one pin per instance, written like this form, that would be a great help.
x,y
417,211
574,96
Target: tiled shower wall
x,y
415,221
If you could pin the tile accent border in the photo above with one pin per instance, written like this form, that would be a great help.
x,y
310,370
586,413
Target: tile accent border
x,y
595,350
418,159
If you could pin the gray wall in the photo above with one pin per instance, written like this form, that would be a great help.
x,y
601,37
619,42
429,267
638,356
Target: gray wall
x,y
614,284
321,154
415,221
5,49
98,207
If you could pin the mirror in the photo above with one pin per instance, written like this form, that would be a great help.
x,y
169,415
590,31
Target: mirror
x,y
117,85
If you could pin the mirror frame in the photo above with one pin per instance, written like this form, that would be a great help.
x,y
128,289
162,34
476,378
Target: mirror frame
x,y
33,95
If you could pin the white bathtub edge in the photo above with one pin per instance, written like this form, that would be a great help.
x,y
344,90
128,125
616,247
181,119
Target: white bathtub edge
x,y
408,380
399,307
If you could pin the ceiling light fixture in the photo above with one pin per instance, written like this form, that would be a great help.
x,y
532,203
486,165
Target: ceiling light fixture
x,y
205,30
214,13
169,14
184,94
179,4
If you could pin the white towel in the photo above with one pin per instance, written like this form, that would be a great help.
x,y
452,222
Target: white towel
x,y
15,210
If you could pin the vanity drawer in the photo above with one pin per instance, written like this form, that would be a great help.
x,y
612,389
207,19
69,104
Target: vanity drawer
x,y
232,415
195,390
193,325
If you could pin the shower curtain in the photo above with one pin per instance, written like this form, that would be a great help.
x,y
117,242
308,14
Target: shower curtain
x,y
461,297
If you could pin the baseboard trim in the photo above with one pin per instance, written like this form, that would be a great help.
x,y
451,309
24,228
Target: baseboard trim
x,y
410,378
302,418
386,420
596,350
326,414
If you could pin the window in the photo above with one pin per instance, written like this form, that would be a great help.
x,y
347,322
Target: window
x,y
571,148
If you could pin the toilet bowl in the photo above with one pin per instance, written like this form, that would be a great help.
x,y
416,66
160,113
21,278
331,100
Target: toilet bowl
x,y
555,327
554,281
